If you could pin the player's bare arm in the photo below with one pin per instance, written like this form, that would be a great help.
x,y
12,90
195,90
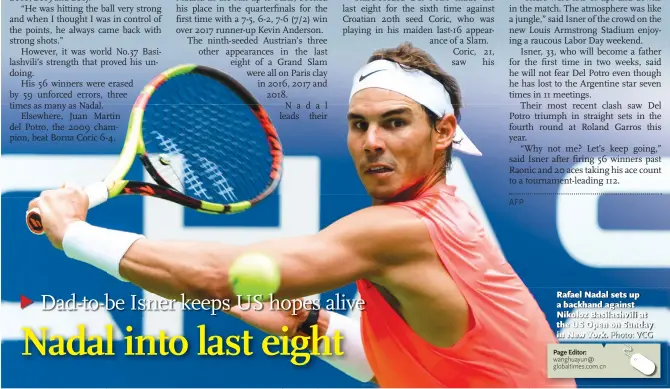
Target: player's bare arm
x,y
365,244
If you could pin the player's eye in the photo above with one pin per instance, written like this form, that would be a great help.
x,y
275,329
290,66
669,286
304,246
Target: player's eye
x,y
360,126
396,123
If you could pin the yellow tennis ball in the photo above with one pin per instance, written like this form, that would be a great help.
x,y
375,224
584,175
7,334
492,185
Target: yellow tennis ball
x,y
254,274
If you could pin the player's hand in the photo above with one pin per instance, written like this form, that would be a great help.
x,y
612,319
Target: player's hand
x,y
271,320
58,208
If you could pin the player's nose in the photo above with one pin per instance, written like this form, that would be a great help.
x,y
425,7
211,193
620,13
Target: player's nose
x,y
374,142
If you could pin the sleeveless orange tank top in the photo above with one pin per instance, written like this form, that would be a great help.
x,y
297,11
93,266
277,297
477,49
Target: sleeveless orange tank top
x,y
506,345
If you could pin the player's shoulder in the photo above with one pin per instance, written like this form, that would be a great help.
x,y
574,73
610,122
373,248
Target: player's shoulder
x,y
385,230
386,218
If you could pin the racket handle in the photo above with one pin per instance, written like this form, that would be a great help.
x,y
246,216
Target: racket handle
x,y
97,194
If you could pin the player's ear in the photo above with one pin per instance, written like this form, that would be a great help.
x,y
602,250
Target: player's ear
x,y
446,130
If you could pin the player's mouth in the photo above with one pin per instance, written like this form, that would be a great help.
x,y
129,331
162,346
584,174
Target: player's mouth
x,y
378,169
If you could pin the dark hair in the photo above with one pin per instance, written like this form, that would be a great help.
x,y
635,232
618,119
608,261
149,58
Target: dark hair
x,y
408,55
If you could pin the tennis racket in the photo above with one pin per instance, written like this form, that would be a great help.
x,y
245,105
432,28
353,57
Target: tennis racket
x,y
202,137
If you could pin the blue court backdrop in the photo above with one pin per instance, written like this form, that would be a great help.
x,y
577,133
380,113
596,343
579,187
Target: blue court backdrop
x,y
557,240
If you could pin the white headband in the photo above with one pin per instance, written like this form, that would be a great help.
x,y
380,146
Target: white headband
x,y
416,85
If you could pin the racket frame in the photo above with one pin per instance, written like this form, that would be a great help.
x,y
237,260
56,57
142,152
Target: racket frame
x,y
134,147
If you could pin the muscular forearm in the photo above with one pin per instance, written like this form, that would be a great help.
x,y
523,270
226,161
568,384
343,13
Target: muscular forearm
x,y
307,265
170,269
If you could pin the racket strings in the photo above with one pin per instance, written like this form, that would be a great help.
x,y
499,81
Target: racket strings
x,y
189,180
207,143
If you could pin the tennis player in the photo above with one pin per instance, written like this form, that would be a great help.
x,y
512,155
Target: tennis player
x,y
443,308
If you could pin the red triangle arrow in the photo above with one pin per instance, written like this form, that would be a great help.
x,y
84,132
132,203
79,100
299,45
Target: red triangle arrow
x,y
25,301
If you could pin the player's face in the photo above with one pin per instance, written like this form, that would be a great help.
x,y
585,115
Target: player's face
x,y
391,142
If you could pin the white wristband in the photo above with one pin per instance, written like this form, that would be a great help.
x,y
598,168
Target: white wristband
x,y
100,247
353,362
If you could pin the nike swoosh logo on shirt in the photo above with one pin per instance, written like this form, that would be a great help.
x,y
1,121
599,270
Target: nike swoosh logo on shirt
x,y
369,74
